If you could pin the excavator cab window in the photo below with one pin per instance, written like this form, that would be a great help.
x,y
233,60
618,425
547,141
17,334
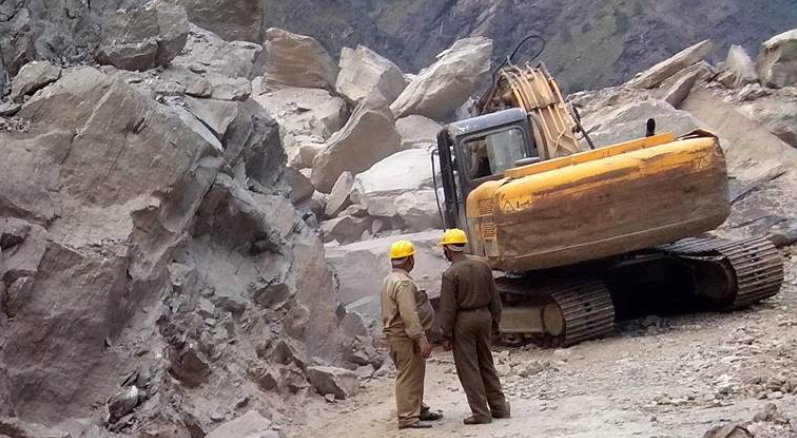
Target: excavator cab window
x,y
494,153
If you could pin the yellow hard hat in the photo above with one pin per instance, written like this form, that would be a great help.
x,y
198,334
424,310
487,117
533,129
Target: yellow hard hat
x,y
401,249
454,236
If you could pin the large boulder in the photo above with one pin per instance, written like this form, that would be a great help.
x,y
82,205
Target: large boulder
x,y
206,53
297,61
778,114
400,185
339,198
143,37
777,60
346,229
667,68
339,382
115,201
250,424
439,90
368,137
361,267
305,111
33,77
364,72
230,19
417,132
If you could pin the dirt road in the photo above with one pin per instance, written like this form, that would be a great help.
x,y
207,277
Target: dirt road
x,y
674,377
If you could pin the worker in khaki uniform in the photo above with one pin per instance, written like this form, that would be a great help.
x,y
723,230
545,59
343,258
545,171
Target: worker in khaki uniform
x,y
409,347
470,311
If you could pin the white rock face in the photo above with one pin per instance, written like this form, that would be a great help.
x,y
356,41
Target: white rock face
x,y
362,266
667,68
417,132
400,186
297,61
368,137
305,111
777,60
439,90
364,72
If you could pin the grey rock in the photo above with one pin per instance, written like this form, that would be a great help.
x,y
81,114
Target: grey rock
x,y
223,88
217,115
205,52
339,198
190,366
230,19
667,68
339,382
417,132
444,86
33,77
123,402
301,187
777,60
273,296
345,229
741,65
364,72
297,61
368,137
250,424
681,89
305,111
17,428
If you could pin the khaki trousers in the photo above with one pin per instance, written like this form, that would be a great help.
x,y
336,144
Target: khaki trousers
x,y
411,368
474,363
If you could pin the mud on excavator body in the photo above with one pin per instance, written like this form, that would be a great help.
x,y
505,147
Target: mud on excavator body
x,y
581,231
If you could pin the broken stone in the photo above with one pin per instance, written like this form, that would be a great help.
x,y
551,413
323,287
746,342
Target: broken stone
x,y
217,115
123,403
305,111
297,61
339,197
251,424
361,268
274,295
16,428
330,398
368,137
230,19
363,72
205,308
778,114
236,89
190,366
339,382
345,229
777,60
417,132
33,77
729,431
301,187
205,52
681,89
667,68
444,86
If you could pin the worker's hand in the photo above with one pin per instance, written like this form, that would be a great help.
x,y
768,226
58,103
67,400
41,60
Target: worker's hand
x,y
426,348
447,345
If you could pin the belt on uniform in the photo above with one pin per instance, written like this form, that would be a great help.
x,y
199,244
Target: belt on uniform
x,y
471,309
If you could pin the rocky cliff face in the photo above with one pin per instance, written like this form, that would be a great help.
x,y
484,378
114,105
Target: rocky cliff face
x,y
590,43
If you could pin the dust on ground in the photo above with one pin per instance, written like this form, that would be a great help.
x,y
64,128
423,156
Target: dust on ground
x,y
659,377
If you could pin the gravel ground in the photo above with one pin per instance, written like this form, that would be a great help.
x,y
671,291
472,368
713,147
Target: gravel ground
x,y
658,377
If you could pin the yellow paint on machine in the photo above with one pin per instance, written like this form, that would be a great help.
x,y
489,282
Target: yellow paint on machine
x,y
519,195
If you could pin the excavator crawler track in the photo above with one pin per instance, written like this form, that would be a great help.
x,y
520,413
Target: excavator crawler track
x,y
756,265
556,314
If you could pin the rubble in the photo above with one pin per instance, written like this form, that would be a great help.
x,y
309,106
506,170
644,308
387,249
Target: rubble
x,y
251,423
34,76
417,132
445,85
230,19
297,61
339,382
368,137
777,60
206,53
665,69
364,73
306,111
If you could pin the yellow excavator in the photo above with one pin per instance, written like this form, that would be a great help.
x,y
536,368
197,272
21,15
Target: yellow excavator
x,y
586,237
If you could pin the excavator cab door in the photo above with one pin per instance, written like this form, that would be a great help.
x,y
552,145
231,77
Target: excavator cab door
x,y
477,150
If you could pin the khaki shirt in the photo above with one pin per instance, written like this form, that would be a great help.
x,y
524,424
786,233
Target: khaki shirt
x,y
399,306
467,285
